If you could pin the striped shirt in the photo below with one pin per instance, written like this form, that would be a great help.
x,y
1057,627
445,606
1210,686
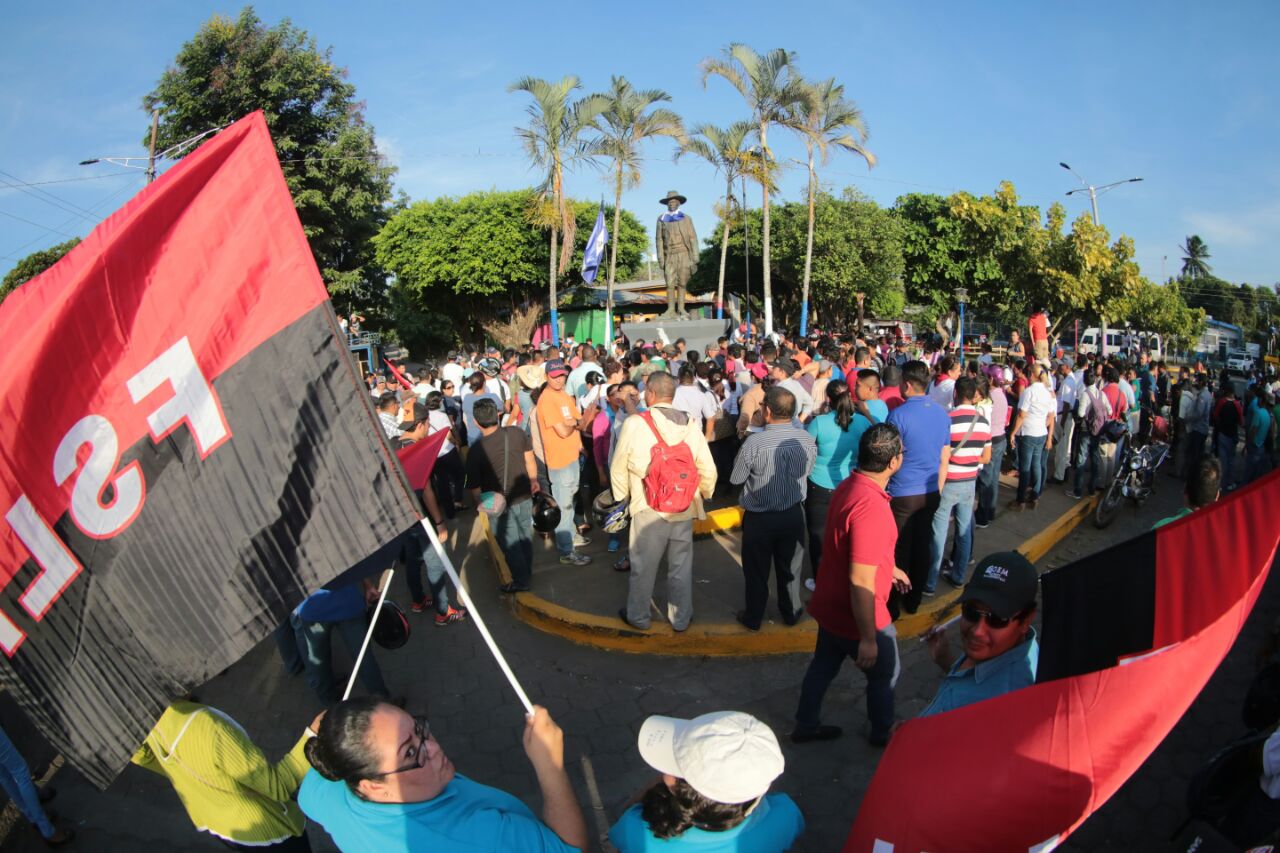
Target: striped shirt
x,y
773,467
966,452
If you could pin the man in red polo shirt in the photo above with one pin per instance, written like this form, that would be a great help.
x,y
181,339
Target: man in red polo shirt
x,y
850,602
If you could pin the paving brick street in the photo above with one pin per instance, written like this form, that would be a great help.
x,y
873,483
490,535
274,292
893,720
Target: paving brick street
x,y
600,699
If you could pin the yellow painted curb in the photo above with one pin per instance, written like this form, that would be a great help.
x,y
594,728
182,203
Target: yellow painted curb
x,y
731,639
718,521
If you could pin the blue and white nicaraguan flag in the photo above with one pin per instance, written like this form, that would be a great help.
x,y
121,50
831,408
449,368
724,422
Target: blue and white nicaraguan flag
x,y
593,254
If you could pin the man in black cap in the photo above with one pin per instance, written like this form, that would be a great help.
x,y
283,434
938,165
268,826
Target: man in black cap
x,y
999,650
677,245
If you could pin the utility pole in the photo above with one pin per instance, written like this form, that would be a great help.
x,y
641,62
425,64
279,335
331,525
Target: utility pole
x,y
151,153
1094,192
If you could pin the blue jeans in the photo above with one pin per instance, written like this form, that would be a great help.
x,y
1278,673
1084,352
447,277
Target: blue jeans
x,y
1256,462
989,482
1087,463
418,552
828,656
1030,466
1226,448
314,643
16,778
514,532
287,646
564,488
956,496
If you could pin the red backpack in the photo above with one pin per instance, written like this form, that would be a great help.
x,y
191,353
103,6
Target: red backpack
x,y
672,478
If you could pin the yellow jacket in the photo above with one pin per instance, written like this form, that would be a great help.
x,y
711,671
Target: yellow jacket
x,y
631,459
225,783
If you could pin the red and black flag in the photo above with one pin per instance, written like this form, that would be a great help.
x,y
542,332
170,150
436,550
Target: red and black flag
x,y
1130,637
186,451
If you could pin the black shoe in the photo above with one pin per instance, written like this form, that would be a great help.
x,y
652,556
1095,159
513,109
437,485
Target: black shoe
x,y
982,525
741,616
820,733
61,835
512,588
880,740
794,618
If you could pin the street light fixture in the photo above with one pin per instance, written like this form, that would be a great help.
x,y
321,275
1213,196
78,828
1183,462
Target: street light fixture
x,y
170,153
1094,192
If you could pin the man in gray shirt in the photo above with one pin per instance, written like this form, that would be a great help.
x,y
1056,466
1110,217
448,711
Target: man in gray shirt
x,y
773,467
784,372
1198,425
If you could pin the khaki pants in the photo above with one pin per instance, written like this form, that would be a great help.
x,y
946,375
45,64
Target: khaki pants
x,y
652,536
1042,350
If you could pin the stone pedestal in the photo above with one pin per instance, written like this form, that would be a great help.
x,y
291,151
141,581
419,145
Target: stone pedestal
x,y
696,333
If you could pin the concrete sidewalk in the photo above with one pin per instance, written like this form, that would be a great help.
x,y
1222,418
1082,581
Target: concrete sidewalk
x,y
580,603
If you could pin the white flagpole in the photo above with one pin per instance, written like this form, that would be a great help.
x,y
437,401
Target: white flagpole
x,y
475,615
368,635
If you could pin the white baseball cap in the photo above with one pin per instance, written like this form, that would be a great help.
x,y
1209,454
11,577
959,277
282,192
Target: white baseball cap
x,y
726,756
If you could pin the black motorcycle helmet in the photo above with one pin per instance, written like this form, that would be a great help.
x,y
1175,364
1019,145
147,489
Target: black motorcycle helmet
x,y
546,513
391,631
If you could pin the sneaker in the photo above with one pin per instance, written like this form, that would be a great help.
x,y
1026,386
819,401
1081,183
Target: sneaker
x,y
1073,494
929,593
512,588
820,733
454,614
810,584
580,541
1016,506
946,576
1033,503
573,558
982,525
614,545
420,606
622,564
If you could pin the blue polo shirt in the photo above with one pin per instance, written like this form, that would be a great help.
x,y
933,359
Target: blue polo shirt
x,y
926,429
466,817
774,826
333,605
1013,670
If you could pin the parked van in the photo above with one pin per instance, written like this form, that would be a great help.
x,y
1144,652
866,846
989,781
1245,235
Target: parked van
x,y
1116,341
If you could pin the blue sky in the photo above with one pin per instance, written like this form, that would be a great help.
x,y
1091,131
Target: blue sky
x,y
956,96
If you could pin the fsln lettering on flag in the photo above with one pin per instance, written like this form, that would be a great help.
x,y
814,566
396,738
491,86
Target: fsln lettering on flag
x,y
214,460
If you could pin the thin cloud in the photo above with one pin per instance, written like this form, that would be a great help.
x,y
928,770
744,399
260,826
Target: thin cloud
x,y
1243,228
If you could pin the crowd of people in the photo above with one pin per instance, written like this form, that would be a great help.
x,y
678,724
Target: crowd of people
x,y
863,467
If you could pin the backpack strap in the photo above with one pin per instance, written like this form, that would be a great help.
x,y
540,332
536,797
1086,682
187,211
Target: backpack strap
x,y
647,417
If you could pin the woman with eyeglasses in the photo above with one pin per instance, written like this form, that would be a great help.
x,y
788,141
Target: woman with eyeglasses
x,y
999,650
381,781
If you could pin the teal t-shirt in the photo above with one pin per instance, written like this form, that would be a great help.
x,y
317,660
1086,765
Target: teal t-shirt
x,y
774,826
837,448
466,817
1261,421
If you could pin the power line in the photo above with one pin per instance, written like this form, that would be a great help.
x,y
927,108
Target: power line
x,y
46,196
64,180
14,255
36,224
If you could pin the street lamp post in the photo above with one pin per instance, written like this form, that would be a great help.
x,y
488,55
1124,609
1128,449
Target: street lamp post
x,y
1094,192
170,153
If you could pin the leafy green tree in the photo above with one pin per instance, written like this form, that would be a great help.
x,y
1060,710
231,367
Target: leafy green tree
x,y
825,120
726,150
34,264
629,119
1161,308
1082,273
770,85
552,142
340,185
857,249
1195,256
474,260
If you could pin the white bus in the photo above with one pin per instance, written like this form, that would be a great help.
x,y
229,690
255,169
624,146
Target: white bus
x,y
1152,341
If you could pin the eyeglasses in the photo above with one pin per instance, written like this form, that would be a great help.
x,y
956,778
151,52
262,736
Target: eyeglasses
x,y
970,613
422,731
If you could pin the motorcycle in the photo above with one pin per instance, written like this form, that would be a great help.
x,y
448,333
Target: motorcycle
x,y
1134,477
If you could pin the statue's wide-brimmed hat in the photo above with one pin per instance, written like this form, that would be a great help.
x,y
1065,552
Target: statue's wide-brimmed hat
x,y
673,194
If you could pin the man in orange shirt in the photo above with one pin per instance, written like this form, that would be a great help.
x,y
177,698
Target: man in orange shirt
x,y
558,423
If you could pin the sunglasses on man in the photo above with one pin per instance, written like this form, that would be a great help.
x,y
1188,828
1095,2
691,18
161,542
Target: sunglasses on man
x,y
970,613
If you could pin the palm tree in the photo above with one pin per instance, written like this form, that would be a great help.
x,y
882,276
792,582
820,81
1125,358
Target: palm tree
x,y
551,141
726,150
770,86
825,120
1194,254
627,121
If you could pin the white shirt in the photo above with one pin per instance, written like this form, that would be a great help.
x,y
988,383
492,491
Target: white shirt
x,y
437,420
468,413
422,389
943,393
695,402
452,372
732,395
1036,404
804,402
1069,390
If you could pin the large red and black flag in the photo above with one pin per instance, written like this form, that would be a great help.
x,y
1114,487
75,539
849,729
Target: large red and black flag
x,y
185,449
1130,637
